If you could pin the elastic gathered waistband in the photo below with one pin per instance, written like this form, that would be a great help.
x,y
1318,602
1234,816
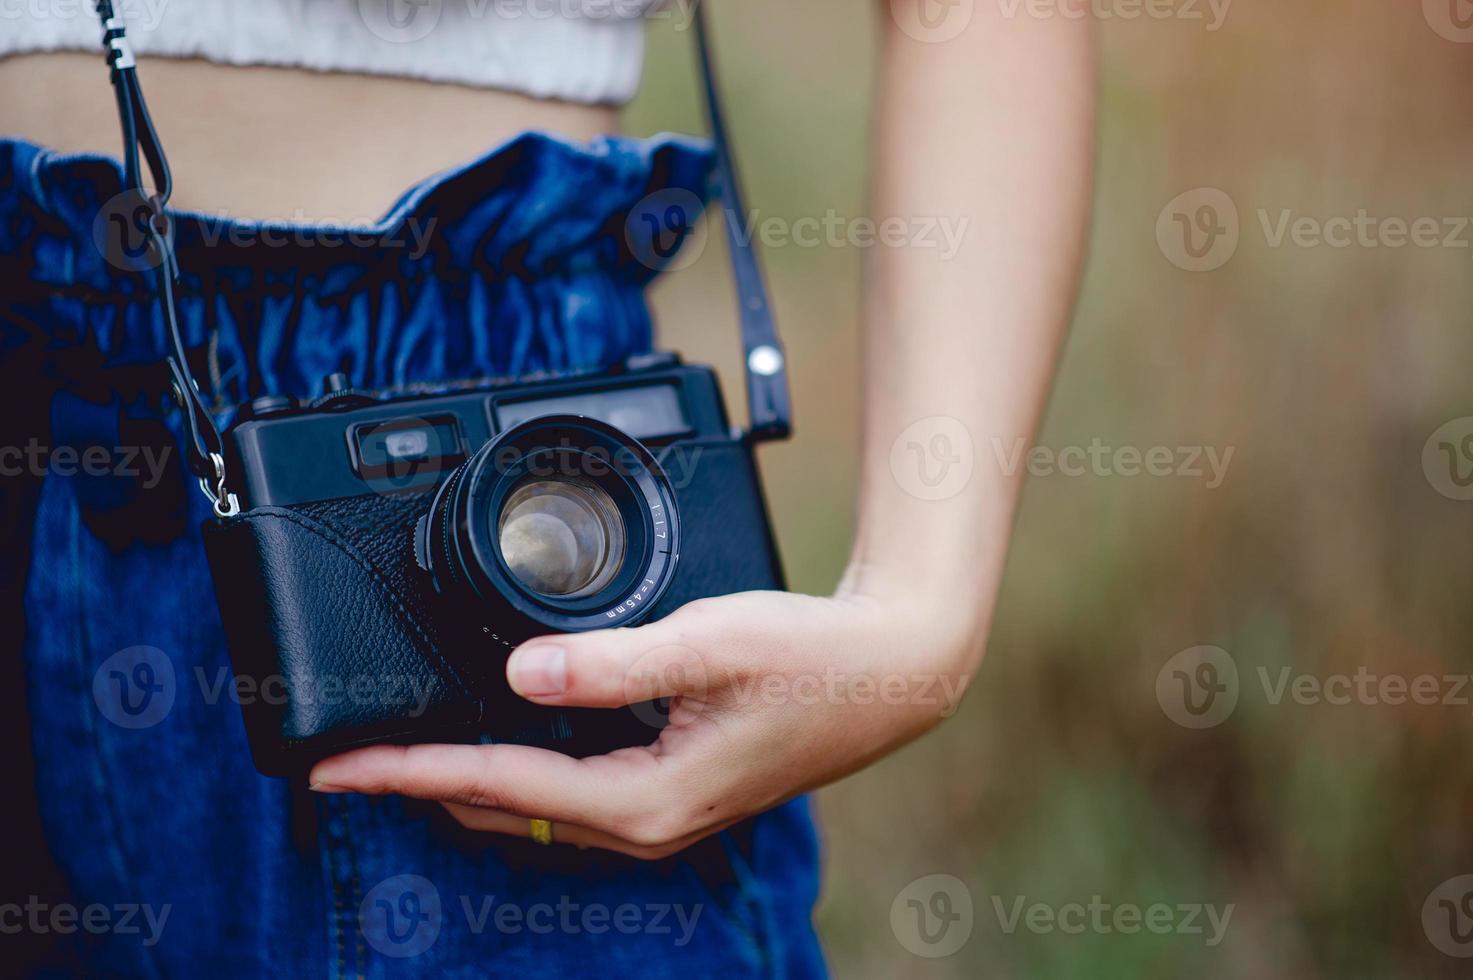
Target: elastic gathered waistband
x,y
524,259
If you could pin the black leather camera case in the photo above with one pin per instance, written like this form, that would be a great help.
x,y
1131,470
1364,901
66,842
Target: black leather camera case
x,y
337,639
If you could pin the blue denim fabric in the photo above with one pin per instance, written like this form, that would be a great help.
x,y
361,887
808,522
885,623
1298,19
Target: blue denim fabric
x,y
145,786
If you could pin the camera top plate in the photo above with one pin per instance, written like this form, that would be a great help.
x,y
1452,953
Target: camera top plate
x,y
287,453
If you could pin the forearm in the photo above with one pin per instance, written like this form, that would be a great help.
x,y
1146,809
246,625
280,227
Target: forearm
x,y
993,131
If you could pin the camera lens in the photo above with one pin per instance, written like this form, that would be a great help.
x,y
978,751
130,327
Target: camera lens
x,y
559,523
561,537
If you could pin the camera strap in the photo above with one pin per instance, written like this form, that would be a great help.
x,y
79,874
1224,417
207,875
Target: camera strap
x,y
204,448
769,406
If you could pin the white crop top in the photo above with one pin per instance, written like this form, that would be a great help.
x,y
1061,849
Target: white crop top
x,y
589,51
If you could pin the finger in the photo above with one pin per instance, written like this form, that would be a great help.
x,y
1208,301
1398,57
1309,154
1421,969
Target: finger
x,y
619,793
501,822
612,668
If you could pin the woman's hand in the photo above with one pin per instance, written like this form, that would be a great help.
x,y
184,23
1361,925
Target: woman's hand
x,y
775,694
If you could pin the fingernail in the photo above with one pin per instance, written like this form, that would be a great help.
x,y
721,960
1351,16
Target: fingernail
x,y
538,671
319,787
318,781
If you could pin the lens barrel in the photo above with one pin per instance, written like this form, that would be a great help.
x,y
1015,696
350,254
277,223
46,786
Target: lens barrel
x,y
561,523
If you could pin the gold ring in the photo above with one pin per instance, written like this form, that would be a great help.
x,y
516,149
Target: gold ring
x,y
541,830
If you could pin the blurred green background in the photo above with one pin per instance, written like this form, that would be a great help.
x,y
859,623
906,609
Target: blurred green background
x,y
1326,550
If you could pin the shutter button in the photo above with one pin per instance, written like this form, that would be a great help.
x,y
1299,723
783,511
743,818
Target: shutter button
x,y
270,405
337,394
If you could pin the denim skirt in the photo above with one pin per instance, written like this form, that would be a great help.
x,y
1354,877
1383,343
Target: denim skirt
x,y
177,859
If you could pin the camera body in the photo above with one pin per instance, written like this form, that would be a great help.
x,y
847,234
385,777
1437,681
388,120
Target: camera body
x,y
392,551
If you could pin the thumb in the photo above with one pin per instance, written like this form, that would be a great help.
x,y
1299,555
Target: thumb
x,y
608,668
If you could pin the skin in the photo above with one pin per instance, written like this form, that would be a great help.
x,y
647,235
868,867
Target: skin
x,y
995,126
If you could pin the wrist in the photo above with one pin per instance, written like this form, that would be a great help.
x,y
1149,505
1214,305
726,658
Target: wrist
x,y
943,626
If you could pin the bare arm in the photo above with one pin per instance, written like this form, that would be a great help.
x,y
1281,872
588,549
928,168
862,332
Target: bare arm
x,y
993,129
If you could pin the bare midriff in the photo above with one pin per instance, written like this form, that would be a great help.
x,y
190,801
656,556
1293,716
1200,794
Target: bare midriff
x,y
280,143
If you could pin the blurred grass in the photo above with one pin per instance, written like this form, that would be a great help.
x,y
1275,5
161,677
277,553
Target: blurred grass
x,y
1325,550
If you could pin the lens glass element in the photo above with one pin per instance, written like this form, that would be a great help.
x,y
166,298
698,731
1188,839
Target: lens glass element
x,y
561,537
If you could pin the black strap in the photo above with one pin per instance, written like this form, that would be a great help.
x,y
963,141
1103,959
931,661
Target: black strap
x,y
768,403
204,445
767,380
